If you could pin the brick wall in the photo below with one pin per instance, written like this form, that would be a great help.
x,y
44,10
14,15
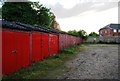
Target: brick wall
x,y
108,32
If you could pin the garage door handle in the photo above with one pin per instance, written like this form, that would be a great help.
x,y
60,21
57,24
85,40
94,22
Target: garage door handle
x,y
14,51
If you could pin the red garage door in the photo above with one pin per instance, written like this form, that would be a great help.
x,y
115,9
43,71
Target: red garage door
x,y
45,45
53,43
0,52
23,49
61,41
36,47
15,50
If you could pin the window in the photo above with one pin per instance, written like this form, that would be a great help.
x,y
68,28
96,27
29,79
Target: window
x,y
115,30
119,30
105,31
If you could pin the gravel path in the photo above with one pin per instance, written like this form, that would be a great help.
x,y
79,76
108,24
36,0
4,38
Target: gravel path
x,y
94,62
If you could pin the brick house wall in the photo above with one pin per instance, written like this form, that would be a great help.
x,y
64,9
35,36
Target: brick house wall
x,y
109,32
116,33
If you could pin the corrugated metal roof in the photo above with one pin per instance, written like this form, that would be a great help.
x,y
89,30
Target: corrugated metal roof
x,y
54,30
22,26
12,25
35,28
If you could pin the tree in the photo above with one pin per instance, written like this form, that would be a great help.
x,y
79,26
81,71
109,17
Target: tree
x,y
73,32
18,11
80,33
44,15
27,12
94,34
0,13
83,34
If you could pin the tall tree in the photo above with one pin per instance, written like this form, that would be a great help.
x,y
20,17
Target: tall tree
x,y
0,13
18,11
27,12
44,15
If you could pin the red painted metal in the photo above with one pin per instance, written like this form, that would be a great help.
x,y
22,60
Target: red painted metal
x,y
45,46
66,40
60,41
36,47
53,43
16,47
0,52
23,49
8,59
13,57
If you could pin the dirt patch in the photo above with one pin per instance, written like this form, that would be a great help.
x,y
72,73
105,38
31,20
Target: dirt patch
x,y
94,62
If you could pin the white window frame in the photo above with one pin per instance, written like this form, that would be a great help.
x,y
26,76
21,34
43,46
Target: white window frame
x,y
114,30
118,30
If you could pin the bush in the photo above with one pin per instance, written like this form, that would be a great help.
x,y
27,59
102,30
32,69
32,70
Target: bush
x,y
57,56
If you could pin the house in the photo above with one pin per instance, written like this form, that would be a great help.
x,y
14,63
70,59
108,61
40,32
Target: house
x,y
110,30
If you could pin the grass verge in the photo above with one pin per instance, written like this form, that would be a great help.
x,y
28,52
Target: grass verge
x,y
41,69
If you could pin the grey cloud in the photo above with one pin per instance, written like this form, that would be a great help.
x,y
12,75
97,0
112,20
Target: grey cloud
x,y
80,8
107,5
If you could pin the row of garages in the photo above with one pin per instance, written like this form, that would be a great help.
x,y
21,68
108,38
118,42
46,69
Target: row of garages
x,y
68,40
24,44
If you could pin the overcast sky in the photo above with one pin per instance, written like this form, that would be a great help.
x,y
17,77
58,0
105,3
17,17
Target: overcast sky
x,y
89,15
